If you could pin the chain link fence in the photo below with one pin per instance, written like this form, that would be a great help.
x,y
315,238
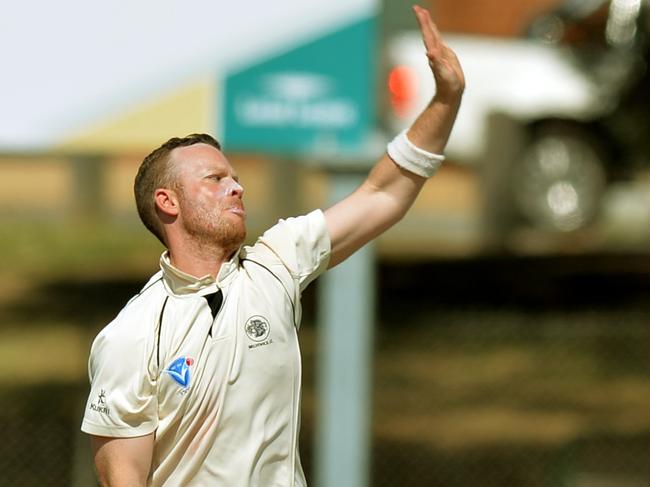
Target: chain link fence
x,y
476,382
514,399
38,435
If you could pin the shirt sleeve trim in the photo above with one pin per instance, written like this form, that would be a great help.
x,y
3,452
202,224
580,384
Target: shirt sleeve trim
x,y
118,431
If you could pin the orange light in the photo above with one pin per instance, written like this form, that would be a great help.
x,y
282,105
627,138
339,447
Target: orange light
x,y
403,86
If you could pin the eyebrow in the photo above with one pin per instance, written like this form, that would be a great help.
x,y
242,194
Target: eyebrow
x,y
220,174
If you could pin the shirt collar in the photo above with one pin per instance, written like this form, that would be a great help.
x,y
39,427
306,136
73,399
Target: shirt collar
x,y
181,283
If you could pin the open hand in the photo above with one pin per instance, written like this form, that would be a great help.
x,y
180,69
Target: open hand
x,y
446,69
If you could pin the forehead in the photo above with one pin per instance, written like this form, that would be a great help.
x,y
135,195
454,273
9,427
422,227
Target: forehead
x,y
199,157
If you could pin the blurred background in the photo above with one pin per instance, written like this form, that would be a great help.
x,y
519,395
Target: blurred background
x,y
510,343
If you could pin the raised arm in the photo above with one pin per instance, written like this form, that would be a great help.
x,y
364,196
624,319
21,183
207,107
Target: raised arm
x,y
123,462
392,185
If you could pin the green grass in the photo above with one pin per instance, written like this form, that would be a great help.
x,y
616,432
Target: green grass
x,y
46,249
34,346
54,354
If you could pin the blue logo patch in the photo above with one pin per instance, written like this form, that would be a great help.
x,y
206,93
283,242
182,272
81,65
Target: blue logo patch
x,y
179,370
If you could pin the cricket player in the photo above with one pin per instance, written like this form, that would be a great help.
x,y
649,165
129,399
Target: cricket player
x,y
197,381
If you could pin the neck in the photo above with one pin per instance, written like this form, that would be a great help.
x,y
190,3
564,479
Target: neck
x,y
199,260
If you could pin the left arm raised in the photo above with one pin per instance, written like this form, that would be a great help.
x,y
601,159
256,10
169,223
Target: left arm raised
x,y
389,191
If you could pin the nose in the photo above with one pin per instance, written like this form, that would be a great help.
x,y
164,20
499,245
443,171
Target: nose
x,y
236,189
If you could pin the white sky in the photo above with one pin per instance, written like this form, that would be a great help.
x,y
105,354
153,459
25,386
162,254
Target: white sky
x,y
70,62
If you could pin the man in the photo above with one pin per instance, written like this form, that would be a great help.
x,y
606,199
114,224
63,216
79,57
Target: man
x,y
197,380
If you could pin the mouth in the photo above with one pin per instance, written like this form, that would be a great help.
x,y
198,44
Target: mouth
x,y
238,210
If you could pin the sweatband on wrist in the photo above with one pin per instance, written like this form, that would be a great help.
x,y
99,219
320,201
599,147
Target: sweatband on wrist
x,y
409,156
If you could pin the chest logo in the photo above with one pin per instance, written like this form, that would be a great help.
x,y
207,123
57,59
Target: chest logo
x,y
179,370
257,328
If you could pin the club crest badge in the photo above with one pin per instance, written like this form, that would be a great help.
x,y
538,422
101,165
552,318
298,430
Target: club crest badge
x,y
257,328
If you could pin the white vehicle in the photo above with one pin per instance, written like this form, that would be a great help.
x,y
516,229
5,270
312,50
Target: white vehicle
x,y
563,93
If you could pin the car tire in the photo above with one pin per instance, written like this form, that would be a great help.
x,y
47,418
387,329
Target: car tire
x,y
559,180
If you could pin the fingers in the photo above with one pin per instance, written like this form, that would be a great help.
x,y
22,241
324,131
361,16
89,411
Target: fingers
x,y
442,60
430,34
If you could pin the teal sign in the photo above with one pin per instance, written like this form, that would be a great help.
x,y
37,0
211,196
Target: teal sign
x,y
319,96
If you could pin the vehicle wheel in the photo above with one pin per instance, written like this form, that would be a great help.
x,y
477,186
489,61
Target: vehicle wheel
x,y
560,179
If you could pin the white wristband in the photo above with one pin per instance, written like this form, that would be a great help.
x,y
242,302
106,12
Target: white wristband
x,y
409,156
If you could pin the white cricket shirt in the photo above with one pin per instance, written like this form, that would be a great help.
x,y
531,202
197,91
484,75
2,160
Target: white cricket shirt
x,y
222,394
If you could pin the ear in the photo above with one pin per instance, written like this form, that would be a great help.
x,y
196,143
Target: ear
x,y
166,201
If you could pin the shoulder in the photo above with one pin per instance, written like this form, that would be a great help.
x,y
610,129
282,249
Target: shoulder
x,y
300,244
135,325
311,226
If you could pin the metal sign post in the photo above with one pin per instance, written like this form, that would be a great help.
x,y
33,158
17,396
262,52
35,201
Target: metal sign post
x,y
346,319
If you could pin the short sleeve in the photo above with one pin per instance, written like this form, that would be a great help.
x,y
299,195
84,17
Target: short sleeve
x,y
123,400
302,244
